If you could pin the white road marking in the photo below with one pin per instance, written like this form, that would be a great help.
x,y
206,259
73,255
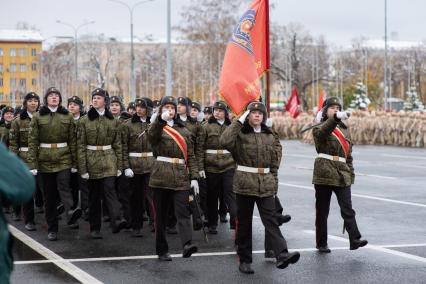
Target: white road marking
x,y
378,248
52,257
404,156
361,196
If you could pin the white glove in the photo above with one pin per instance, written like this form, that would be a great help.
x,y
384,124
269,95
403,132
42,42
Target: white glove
x,y
195,187
154,116
244,116
342,115
202,174
129,173
73,170
165,116
33,172
269,122
85,176
200,116
118,173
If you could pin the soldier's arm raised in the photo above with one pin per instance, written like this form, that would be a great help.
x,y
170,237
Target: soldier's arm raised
x,y
155,131
322,131
228,139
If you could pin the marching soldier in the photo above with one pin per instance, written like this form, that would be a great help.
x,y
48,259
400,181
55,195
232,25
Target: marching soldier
x,y
208,112
100,161
5,124
78,184
255,150
137,159
131,108
52,154
217,165
173,173
19,133
334,172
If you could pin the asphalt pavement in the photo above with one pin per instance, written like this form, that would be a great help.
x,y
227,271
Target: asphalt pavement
x,y
389,197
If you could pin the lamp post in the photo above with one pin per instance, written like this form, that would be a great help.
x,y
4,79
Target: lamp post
x,y
386,80
75,28
169,76
132,87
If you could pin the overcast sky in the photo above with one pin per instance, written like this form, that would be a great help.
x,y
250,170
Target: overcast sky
x,y
338,20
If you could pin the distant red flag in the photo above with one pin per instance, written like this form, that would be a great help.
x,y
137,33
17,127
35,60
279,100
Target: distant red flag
x,y
246,58
293,104
321,100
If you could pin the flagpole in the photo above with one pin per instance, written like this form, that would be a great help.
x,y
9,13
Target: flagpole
x,y
268,61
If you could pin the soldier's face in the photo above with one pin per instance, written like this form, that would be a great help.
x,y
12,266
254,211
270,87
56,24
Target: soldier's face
x,y
332,110
207,115
181,109
115,108
141,111
194,112
170,109
255,118
219,114
98,102
8,116
32,105
131,111
53,100
73,108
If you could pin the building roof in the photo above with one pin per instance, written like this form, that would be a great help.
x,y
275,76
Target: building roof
x,y
20,36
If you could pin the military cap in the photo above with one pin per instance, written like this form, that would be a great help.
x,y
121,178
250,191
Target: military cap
x,y
196,106
260,107
208,109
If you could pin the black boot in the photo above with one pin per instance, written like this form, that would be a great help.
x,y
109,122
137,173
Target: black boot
x,y
269,253
355,244
284,259
245,268
188,250
164,257
283,219
323,249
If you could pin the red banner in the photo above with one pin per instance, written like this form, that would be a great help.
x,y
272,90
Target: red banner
x,y
246,58
293,104
321,100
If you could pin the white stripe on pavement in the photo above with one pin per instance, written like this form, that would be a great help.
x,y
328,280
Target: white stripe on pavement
x,y
360,196
404,156
52,257
378,248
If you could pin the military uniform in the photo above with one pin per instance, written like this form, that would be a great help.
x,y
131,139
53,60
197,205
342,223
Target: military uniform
x,y
52,152
18,144
255,181
100,156
333,172
219,166
137,156
171,172
5,126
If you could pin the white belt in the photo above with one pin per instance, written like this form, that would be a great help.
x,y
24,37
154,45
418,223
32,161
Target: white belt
x,y
332,158
141,155
217,152
23,149
253,170
171,160
54,145
98,148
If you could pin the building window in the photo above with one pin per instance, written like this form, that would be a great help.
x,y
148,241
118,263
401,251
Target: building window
x,y
12,82
22,82
12,52
34,66
1,51
33,52
22,67
22,52
13,67
34,82
1,82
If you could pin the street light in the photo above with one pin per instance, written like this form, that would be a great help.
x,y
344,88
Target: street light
x,y
75,41
132,87
386,80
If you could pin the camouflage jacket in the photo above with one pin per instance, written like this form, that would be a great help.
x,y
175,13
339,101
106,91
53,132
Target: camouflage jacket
x,y
209,140
168,175
195,128
96,130
52,128
327,172
135,140
19,134
4,133
257,150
